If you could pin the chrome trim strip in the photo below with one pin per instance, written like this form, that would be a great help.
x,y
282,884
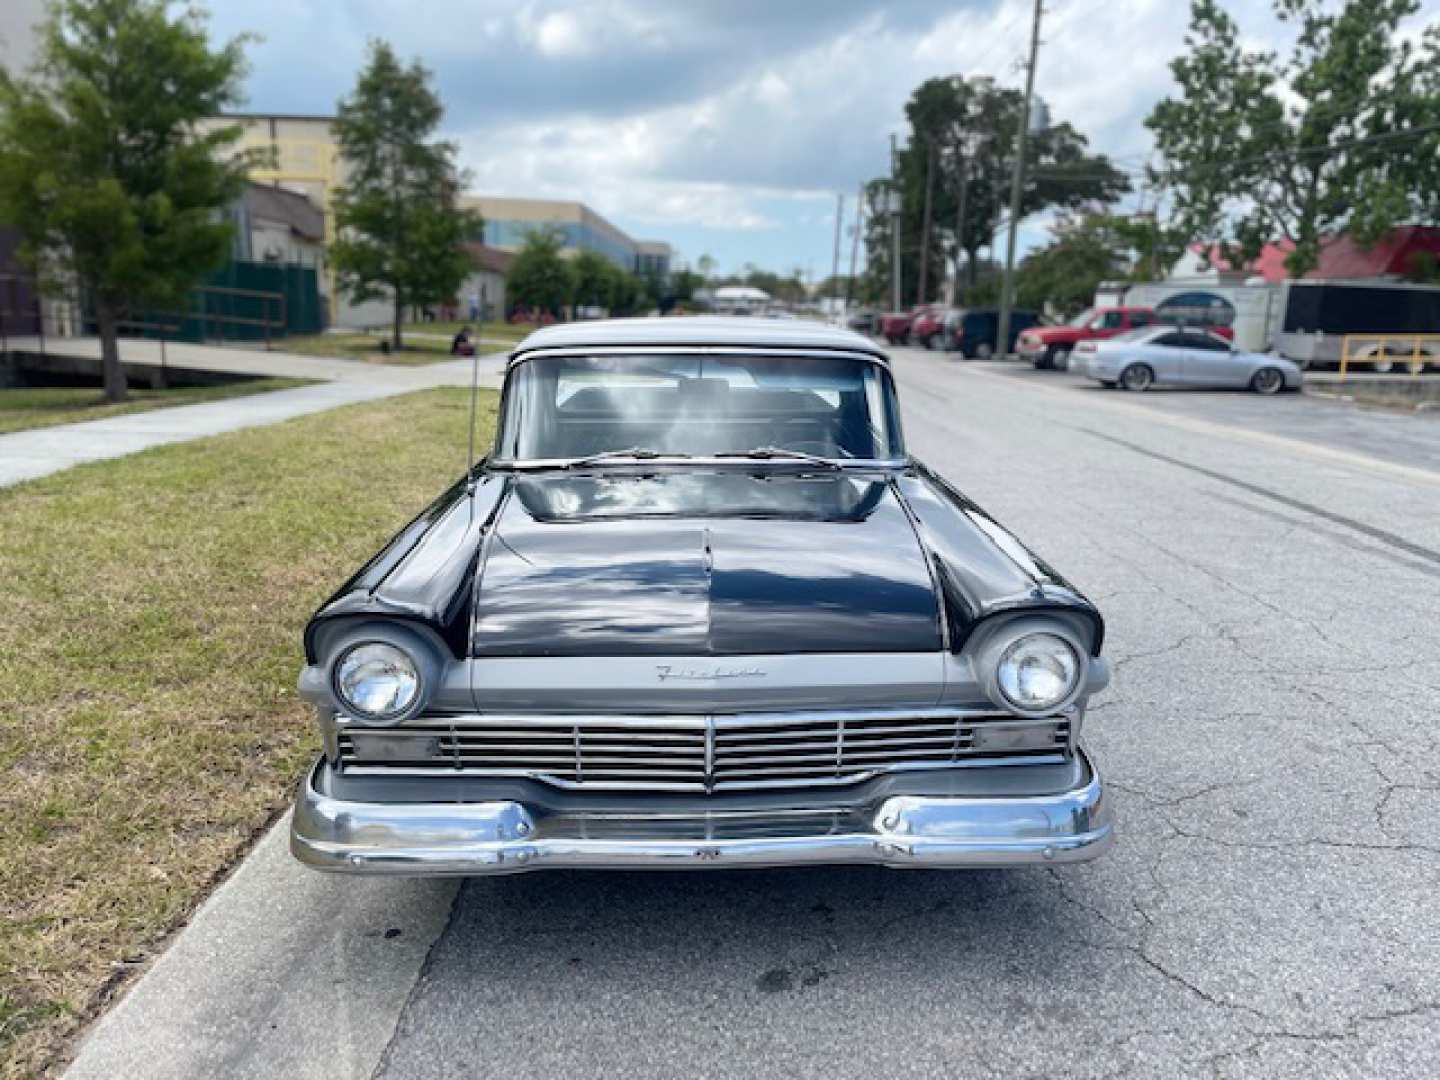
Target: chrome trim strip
x,y
688,722
678,462
709,754
878,357
505,836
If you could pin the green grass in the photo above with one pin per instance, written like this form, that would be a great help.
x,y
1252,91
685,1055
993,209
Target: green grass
x,y
149,644
23,408
497,331
366,348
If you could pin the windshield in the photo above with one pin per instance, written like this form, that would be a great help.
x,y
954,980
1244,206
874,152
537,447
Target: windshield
x,y
571,407
1083,319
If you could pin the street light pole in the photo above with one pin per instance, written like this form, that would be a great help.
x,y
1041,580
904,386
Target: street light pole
x,y
1017,182
835,257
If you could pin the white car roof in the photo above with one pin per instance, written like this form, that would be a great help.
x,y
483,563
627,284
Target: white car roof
x,y
698,330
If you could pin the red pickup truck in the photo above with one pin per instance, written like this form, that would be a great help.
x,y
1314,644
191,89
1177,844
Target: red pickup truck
x,y
1050,346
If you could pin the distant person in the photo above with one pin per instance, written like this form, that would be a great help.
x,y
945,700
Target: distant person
x,y
461,345
474,299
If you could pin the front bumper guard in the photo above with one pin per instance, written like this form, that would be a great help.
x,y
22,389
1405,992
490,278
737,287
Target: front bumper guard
x,y
505,836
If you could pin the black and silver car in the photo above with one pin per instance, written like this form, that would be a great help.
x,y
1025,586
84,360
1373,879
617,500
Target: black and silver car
x,y
697,607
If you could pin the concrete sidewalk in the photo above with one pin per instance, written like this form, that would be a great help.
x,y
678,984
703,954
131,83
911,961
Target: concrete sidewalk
x,y
282,972
26,455
234,360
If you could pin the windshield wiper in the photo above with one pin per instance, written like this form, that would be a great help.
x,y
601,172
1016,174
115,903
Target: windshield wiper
x,y
634,453
764,453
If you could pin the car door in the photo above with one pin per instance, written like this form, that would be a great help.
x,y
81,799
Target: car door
x,y
1108,325
1209,361
1165,353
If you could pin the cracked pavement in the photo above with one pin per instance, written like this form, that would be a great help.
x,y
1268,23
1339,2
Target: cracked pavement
x,y
1269,742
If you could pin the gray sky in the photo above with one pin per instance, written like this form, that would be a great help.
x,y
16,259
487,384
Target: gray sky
x,y
723,126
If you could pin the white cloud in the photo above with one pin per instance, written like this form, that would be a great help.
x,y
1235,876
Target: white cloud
x,y
559,34
735,119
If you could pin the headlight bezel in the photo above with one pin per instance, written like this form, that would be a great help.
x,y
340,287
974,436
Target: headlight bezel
x,y
1006,633
1063,649
415,646
337,684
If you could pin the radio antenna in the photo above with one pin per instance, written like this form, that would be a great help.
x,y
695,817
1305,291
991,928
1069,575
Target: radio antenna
x,y
474,393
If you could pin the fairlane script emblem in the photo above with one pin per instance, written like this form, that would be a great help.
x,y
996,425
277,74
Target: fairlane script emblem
x,y
668,672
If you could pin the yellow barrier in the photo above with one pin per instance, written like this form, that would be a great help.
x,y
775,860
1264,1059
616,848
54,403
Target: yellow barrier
x,y
1412,343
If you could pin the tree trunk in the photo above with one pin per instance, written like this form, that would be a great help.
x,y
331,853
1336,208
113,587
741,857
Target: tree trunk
x,y
395,329
116,388
972,267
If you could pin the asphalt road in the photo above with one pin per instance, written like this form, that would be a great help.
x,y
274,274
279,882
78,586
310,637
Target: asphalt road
x,y
1270,743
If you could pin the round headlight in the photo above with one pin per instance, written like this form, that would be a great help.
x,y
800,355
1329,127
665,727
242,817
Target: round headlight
x,y
377,680
1037,672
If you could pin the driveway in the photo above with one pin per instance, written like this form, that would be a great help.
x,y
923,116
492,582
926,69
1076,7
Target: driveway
x,y
1268,909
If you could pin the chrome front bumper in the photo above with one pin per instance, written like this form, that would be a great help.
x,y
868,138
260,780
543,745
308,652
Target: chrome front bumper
x,y
509,836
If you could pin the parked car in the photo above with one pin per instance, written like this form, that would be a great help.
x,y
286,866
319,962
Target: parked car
x,y
928,328
697,607
973,333
895,326
862,321
1050,346
1171,356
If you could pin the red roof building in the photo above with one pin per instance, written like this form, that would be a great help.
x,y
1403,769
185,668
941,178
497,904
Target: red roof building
x,y
1341,257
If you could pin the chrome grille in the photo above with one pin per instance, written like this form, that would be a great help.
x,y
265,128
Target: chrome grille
x,y
697,753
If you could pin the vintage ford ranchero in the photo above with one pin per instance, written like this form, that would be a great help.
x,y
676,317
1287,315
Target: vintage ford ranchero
x,y
698,608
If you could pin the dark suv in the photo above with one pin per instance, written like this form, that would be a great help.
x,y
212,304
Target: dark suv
x,y
972,332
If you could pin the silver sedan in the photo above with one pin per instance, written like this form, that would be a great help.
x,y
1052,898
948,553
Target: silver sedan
x,y
1172,356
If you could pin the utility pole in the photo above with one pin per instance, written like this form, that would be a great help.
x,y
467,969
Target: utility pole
x,y
835,258
1017,183
960,212
894,205
855,244
925,226
1155,220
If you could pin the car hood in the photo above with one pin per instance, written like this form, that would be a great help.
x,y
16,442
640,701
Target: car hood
x,y
693,563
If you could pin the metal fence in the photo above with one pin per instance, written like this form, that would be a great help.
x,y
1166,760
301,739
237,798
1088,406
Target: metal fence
x,y
252,302
1385,351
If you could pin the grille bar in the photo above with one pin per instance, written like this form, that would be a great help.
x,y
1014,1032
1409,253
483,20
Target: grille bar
x,y
698,753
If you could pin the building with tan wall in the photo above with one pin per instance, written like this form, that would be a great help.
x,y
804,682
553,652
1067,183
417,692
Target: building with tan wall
x,y
509,221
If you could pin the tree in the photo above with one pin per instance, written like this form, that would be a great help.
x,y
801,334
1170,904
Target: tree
x,y
594,277
1083,253
400,232
1341,135
104,167
838,285
788,289
972,124
706,264
1154,244
626,292
684,283
540,278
